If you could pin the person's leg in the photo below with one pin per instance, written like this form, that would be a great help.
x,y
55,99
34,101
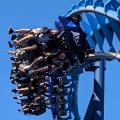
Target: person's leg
x,y
36,61
23,50
39,98
25,39
27,49
23,68
30,48
23,90
42,69
22,30
16,52
18,31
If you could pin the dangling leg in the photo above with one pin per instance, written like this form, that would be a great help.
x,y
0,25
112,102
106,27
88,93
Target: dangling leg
x,y
25,39
19,31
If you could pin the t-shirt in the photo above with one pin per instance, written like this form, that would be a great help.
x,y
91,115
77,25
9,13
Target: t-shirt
x,y
42,38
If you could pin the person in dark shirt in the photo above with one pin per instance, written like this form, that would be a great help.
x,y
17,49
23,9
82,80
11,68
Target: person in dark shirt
x,y
77,38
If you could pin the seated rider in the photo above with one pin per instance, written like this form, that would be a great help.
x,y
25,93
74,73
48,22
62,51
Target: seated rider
x,y
39,34
77,38
51,61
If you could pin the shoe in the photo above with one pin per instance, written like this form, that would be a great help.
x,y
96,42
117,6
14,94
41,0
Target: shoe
x,y
18,103
11,52
10,31
13,82
14,90
16,98
14,58
19,110
10,44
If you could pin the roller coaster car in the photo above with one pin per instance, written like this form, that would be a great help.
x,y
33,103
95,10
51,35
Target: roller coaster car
x,y
74,45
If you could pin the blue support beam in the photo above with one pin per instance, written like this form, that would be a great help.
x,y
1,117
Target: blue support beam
x,y
75,79
105,28
95,109
90,110
112,5
98,3
99,91
75,83
88,2
115,27
88,30
99,38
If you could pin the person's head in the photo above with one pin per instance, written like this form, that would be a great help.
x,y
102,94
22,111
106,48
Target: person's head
x,y
45,30
76,18
62,56
53,33
53,67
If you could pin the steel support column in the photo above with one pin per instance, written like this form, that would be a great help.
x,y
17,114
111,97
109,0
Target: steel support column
x,y
75,110
99,90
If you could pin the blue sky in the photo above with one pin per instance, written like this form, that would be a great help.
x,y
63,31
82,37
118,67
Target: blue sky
x,y
36,13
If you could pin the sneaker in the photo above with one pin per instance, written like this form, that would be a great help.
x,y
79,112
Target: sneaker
x,y
18,102
10,44
11,52
19,110
14,90
16,98
10,31
14,58
13,82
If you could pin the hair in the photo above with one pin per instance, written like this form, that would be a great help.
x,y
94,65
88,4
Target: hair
x,y
45,30
75,16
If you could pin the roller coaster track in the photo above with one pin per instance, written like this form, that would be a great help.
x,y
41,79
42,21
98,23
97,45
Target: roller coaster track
x,y
100,21
103,19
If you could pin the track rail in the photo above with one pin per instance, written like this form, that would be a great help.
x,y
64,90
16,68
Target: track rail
x,y
86,10
98,9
